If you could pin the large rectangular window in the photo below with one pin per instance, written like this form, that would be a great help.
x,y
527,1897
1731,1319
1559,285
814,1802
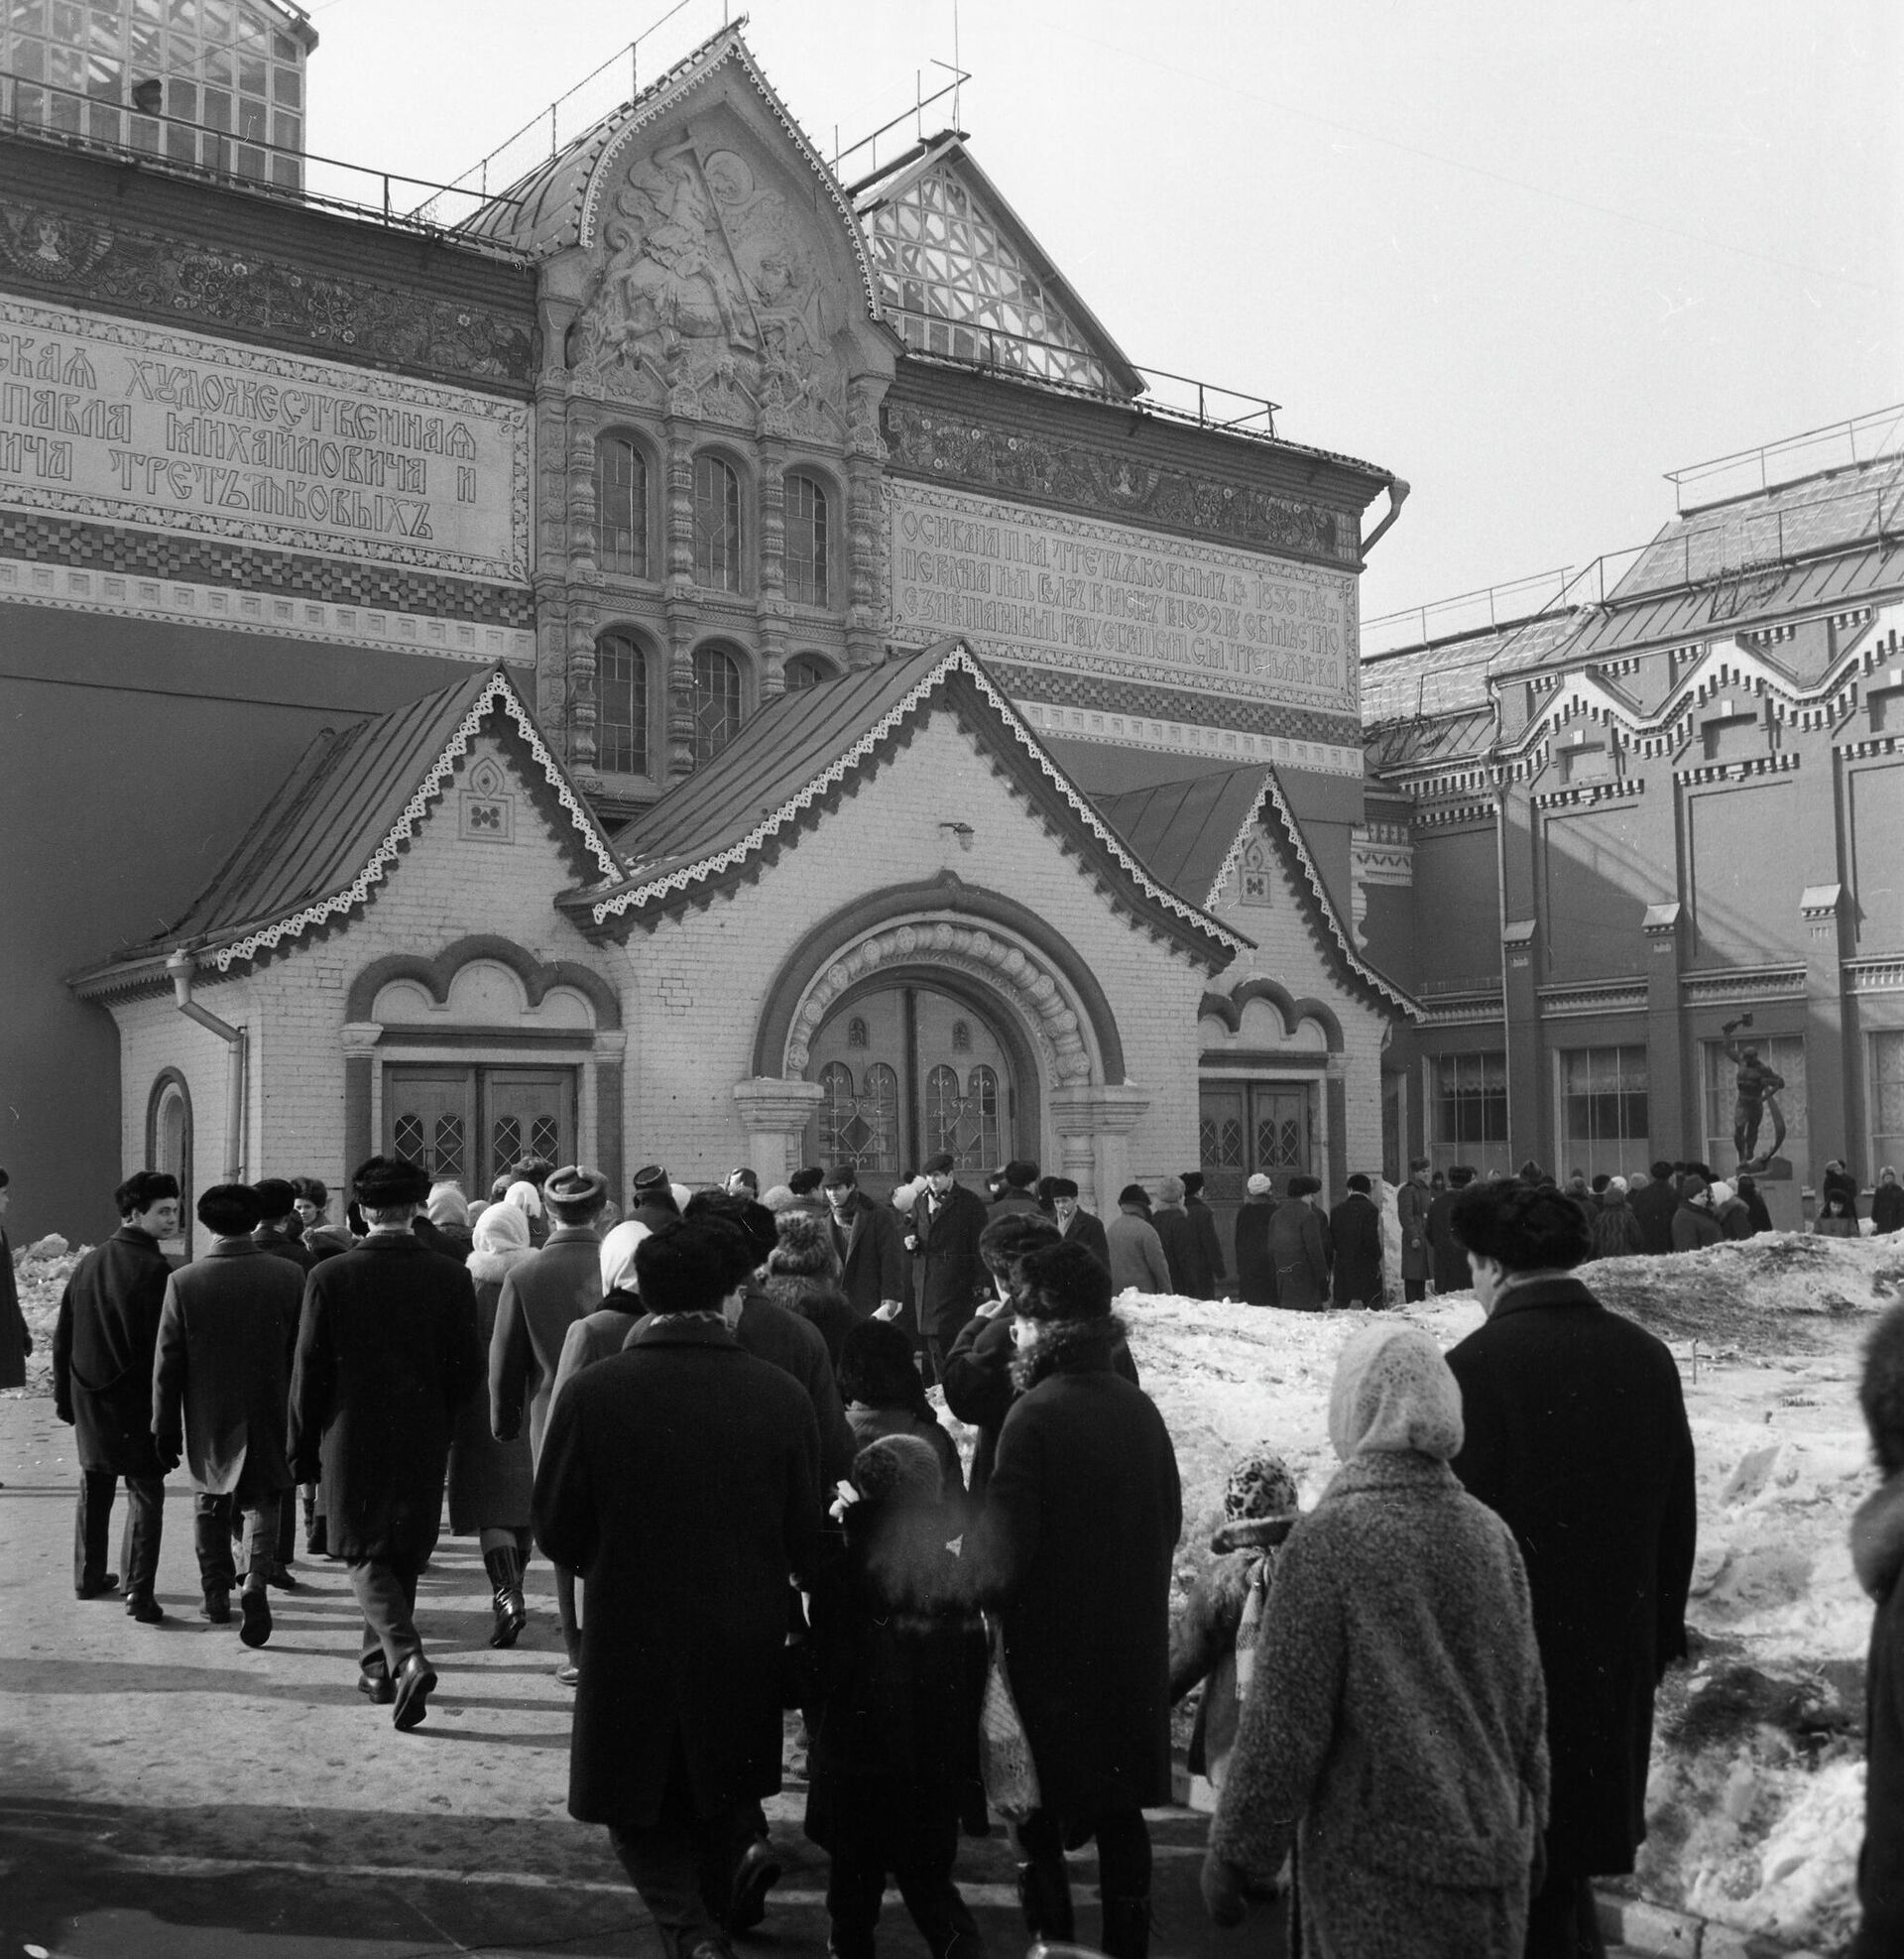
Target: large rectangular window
x,y
1602,1111
1468,1111
1887,1100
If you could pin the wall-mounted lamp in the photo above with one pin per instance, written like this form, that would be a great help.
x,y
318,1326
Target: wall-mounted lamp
x,y
963,832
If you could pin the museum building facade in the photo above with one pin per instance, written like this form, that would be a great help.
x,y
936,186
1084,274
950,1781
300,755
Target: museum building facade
x,y
700,662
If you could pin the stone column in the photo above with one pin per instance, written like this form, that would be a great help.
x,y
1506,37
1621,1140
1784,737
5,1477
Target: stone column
x,y
1094,1121
774,1113
1671,1095
675,757
611,1048
359,1041
866,453
770,606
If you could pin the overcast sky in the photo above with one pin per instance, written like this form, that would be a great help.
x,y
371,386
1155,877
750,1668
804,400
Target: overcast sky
x,y
1527,257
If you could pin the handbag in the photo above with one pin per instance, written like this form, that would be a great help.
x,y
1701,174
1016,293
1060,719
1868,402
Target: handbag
x,y
1005,1766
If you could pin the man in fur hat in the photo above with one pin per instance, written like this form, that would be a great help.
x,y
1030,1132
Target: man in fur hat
x,y
387,1353
947,1221
866,1237
1076,1225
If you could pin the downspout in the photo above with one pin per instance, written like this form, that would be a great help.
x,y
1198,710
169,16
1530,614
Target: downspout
x,y
1397,496
181,966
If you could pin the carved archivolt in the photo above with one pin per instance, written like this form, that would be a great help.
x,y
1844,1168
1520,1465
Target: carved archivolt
x,y
1030,988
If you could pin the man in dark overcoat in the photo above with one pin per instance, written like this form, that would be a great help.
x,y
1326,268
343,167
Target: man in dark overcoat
x,y
387,1353
866,1235
1209,1263
947,1221
219,1395
1178,1237
102,1351
16,1337
1446,1260
1354,1231
1076,1225
681,1478
1575,1434
1074,1547
1299,1251
1411,1210
1653,1205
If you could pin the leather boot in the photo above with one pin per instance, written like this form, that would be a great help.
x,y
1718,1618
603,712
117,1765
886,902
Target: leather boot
x,y
1044,1897
505,1568
1127,1927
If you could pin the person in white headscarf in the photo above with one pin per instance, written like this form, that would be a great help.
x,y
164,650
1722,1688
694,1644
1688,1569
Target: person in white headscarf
x,y
1395,1727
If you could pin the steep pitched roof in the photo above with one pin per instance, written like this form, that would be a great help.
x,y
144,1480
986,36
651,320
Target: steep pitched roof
x,y
793,760
327,838
1192,833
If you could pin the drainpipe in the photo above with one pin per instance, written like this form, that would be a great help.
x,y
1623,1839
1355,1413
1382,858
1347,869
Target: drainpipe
x,y
181,966
1397,496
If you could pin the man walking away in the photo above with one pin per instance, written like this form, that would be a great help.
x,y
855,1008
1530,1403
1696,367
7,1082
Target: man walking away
x,y
1172,1222
1355,1230
277,1213
1654,1206
387,1353
103,1345
1209,1267
681,1478
1137,1251
1019,1192
219,1393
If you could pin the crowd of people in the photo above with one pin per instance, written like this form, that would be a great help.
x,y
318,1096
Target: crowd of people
x,y
1425,1703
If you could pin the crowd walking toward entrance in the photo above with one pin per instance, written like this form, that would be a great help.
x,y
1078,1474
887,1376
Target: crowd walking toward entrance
x,y
1426,1703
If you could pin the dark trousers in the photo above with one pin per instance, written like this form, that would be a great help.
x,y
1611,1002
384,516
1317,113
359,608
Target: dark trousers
x,y
681,1863
1124,1852
216,1520
138,1546
915,1840
1414,1288
1563,1921
387,1594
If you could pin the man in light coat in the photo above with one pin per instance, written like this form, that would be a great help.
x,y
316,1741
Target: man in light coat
x,y
219,1392
102,1353
1137,1251
1413,1202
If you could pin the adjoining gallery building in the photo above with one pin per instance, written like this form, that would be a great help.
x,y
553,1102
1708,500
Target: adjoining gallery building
x,y
698,662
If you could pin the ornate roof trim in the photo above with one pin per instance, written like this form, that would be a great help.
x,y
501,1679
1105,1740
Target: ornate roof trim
x,y
498,692
695,72
638,892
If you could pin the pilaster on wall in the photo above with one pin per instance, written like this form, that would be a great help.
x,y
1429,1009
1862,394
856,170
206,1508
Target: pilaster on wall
x,y
865,454
1094,1121
1526,1082
678,551
772,610
775,1111
1672,1103
1828,1105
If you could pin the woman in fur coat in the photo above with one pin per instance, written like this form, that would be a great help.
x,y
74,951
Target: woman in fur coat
x,y
1396,1728
490,1482
1877,1556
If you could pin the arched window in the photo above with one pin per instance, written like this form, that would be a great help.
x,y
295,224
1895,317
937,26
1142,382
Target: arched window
x,y
806,542
861,1129
717,525
806,670
168,1137
965,1123
620,508
717,701
621,712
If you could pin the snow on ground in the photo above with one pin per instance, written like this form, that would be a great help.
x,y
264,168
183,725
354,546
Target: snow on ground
x,y
1757,1782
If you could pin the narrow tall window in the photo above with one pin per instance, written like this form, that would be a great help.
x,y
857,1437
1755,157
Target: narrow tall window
x,y
620,508
620,714
717,702
806,542
717,525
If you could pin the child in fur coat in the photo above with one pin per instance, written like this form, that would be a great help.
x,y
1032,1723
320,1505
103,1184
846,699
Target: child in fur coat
x,y
1259,1507
896,1656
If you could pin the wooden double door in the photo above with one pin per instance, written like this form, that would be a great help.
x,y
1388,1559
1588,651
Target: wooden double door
x,y
909,1071
1251,1127
473,1123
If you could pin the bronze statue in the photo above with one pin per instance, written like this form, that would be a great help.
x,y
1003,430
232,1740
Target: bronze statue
x,y
1756,1089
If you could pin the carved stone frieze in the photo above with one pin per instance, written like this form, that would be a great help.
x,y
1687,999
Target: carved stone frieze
x,y
235,289
995,456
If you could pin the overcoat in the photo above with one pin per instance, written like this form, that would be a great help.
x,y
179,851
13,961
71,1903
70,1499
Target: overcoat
x,y
946,1262
1877,1556
387,1353
541,1298
490,1482
1653,1205
873,1264
16,1341
1446,1261
1136,1254
870,1425
1354,1229
1255,1270
1087,1229
1300,1255
596,1335
222,1377
1081,1519
1412,1202
681,1478
1181,1251
103,1344
1576,1433
1210,1266
1694,1227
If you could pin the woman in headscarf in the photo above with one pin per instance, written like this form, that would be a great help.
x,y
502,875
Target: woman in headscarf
x,y
490,1482
1396,1728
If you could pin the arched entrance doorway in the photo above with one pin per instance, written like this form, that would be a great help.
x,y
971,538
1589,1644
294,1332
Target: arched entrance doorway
x,y
907,1068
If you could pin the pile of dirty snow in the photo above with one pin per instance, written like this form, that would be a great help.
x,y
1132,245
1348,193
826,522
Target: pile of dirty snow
x,y
40,1271
1757,1779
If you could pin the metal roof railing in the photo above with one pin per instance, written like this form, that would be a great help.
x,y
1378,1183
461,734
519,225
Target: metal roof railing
x,y
1751,473
66,119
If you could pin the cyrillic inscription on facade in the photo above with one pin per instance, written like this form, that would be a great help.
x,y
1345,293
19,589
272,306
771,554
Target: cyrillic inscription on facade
x,y
174,432
1093,597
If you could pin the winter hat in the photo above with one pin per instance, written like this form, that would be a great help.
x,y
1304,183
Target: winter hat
x,y
383,1183
805,1248
1135,1193
617,1255
502,1228
778,1197
1062,1282
447,1206
1304,1186
877,1366
526,1197
1617,1186
1723,1194
842,1177
938,1165
1020,1173
276,1197
1192,1181
1170,1191
1061,1187
577,1185
898,1470
1259,1486
1393,1390
1259,1185
803,1182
